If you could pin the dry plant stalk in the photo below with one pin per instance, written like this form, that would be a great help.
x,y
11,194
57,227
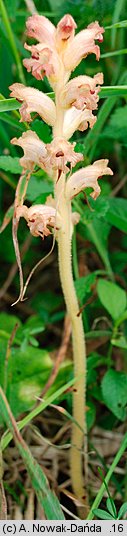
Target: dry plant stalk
x,y
57,53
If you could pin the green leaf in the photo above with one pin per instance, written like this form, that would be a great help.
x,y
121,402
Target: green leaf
x,y
121,24
5,440
109,55
119,6
46,497
38,186
122,511
8,163
112,297
114,391
120,342
102,514
111,507
7,105
83,285
113,91
117,213
117,125
8,322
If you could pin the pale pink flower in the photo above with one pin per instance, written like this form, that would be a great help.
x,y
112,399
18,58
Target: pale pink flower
x,y
34,101
59,51
39,218
43,62
83,44
77,120
60,152
46,56
82,92
34,150
41,29
87,178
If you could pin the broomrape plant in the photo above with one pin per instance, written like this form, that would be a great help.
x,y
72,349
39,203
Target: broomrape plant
x,y
57,53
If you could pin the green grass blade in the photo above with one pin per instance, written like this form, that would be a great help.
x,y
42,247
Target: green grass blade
x,y
46,497
114,53
101,491
121,24
12,40
116,15
5,440
7,105
113,91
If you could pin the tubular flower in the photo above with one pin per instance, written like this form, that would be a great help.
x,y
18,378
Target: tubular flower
x,y
83,44
41,29
60,152
34,101
34,150
87,178
39,218
43,62
82,92
77,120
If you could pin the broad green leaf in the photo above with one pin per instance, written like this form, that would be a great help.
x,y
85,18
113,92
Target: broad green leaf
x,y
122,511
8,322
116,128
117,213
112,297
111,507
102,514
46,497
114,391
9,163
38,186
120,342
84,285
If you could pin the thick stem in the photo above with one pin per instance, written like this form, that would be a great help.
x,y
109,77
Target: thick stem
x,y
79,354
79,349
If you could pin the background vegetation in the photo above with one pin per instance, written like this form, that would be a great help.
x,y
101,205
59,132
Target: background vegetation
x,y
32,331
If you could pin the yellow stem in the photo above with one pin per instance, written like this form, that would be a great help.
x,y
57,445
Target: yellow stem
x,y
78,340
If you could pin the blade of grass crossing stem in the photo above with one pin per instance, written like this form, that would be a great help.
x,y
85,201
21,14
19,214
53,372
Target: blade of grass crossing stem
x,y
115,462
46,497
116,15
5,440
11,39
